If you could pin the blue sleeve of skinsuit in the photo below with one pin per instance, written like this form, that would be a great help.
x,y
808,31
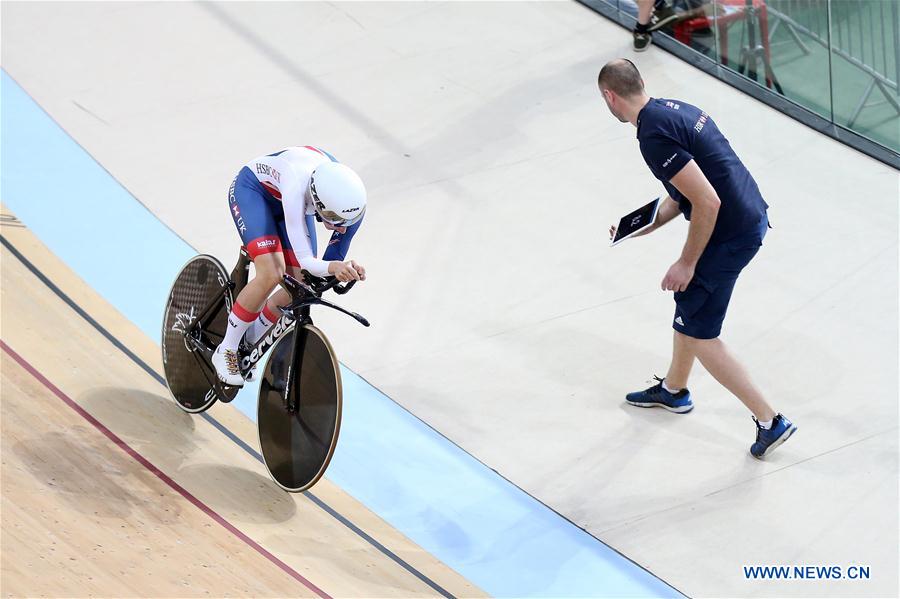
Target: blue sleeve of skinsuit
x,y
311,228
339,244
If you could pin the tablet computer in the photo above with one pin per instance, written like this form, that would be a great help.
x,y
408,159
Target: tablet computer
x,y
636,221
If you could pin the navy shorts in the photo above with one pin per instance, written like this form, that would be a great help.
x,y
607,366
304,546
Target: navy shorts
x,y
700,309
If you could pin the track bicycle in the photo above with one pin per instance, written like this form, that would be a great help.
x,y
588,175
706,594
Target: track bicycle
x,y
300,397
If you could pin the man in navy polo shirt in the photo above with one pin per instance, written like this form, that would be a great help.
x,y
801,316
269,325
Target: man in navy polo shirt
x,y
709,185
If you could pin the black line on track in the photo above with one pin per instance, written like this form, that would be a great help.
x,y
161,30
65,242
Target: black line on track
x,y
218,425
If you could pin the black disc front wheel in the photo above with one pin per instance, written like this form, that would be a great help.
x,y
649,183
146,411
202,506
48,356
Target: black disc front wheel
x,y
198,304
298,427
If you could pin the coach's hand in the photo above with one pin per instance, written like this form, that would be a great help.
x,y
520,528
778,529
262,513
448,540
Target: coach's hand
x,y
612,232
678,277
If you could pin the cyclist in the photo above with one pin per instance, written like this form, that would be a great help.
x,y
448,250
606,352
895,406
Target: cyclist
x,y
274,201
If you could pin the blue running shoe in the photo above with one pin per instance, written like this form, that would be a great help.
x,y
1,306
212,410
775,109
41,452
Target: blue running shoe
x,y
769,439
657,397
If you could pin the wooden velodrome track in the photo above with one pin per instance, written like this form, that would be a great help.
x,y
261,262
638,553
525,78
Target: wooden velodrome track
x,y
109,489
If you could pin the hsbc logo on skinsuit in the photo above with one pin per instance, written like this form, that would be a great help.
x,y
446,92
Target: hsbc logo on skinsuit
x,y
265,169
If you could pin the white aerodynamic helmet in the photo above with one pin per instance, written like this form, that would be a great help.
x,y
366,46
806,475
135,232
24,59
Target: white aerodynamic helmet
x,y
338,194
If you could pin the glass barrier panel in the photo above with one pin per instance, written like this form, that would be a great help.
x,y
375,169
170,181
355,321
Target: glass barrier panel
x,y
864,66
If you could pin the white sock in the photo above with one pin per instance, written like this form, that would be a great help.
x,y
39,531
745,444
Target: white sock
x,y
672,391
238,322
765,424
258,328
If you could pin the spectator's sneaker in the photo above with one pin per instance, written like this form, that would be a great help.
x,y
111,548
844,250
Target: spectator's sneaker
x,y
642,40
661,17
769,439
657,397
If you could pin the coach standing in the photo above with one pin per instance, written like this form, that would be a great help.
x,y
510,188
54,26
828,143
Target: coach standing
x,y
706,182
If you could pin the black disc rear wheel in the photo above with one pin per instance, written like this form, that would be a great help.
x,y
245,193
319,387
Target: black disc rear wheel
x,y
297,445
189,375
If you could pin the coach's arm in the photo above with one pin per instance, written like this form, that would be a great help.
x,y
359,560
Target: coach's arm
x,y
693,185
668,209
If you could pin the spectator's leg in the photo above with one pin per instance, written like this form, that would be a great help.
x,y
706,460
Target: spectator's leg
x,y
645,9
642,28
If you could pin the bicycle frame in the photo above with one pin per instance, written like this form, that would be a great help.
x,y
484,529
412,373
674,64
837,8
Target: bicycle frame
x,y
297,312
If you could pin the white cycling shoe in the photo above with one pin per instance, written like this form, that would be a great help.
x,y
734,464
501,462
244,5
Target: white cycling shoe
x,y
227,365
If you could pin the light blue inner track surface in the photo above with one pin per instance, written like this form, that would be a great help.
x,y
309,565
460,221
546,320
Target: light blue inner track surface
x,y
494,534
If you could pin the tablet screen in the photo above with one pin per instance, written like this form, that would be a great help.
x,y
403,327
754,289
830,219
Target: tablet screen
x,y
633,222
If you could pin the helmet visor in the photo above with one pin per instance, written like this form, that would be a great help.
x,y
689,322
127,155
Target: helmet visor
x,y
337,220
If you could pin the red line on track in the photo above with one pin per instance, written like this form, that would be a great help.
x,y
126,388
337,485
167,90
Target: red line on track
x,y
160,474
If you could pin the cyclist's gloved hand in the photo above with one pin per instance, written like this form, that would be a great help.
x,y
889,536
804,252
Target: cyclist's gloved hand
x,y
347,271
360,269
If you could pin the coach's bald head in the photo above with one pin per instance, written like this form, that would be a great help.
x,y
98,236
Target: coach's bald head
x,y
622,77
622,87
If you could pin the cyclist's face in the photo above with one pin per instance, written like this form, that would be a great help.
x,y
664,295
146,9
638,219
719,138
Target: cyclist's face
x,y
331,227
327,224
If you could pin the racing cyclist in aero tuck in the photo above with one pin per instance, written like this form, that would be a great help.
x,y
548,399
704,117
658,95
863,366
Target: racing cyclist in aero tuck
x,y
274,202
